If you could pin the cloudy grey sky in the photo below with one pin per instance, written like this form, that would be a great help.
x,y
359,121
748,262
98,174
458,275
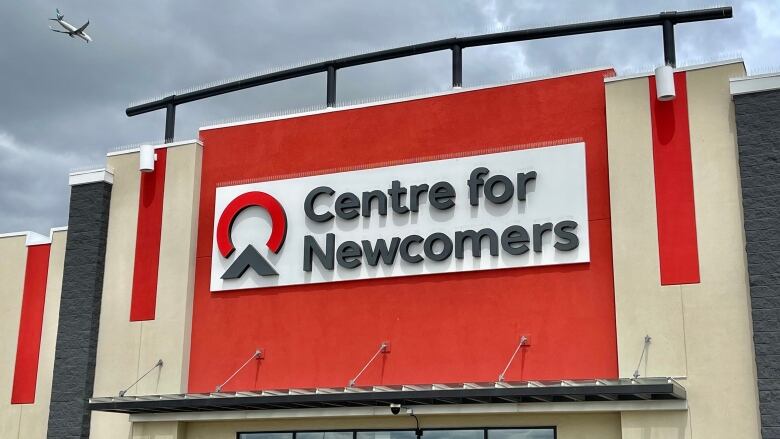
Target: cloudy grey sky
x,y
62,101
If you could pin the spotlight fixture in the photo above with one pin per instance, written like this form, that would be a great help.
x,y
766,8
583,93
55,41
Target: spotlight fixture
x,y
664,83
147,158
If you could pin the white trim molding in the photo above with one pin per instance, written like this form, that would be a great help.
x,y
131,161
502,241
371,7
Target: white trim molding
x,y
33,238
754,84
91,176
37,239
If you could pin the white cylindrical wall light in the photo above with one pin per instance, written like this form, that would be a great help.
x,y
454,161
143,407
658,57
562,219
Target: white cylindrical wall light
x,y
664,83
146,158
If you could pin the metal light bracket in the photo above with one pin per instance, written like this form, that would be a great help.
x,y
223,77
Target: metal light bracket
x,y
384,348
258,355
525,341
644,350
156,365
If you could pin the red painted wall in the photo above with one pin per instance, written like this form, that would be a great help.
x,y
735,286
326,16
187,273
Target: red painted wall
x,y
454,327
143,301
28,347
678,250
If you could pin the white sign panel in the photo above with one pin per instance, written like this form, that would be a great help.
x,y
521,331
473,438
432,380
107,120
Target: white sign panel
x,y
510,209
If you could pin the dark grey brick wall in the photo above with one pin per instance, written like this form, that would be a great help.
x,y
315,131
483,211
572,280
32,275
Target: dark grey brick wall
x,y
82,287
758,132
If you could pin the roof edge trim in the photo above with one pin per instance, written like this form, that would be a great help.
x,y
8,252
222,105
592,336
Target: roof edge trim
x,y
754,83
34,238
692,67
157,145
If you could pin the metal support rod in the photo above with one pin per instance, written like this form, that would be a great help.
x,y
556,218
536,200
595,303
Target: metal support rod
x,y
523,342
331,99
457,67
170,121
434,46
383,348
644,349
670,57
156,365
256,356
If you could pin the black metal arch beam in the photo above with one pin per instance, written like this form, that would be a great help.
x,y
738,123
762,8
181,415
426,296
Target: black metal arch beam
x,y
667,20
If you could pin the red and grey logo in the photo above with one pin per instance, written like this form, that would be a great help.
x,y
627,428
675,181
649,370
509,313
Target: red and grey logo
x,y
250,257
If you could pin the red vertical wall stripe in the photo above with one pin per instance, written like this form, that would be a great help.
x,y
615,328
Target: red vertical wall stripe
x,y
147,243
677,243
28,347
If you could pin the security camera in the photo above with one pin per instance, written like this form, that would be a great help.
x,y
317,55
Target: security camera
x,y
395,408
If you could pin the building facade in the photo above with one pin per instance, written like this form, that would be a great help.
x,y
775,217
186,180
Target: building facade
x,y
561,257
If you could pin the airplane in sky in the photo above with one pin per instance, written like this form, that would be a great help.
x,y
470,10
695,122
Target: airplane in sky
x,y
70,29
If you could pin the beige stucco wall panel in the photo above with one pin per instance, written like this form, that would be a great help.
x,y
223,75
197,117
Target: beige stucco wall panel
x,y
716,174
118,339
10,417
27,420
105,425
128,349
655,425
13,253
721,379
642,305
700,332
34,417
167,337
34,420
721,376
579,426
158,430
